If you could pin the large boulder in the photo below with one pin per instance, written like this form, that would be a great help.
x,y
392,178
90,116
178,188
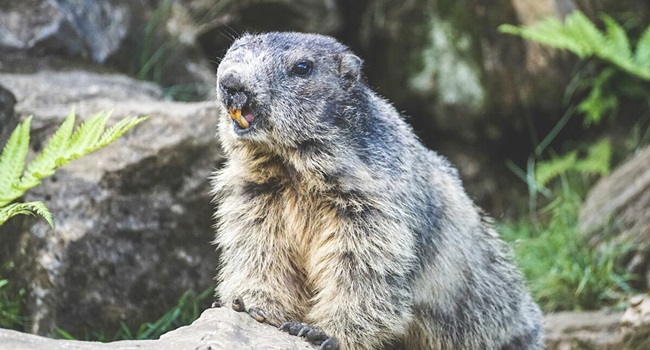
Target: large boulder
x,y
225,329
84,28
216,329
133,220
619,205
7,119
135,37
595,330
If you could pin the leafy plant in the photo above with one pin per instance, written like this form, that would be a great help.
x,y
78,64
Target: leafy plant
x,y
596,161
580,36
563,272
187,310
65,145
11,302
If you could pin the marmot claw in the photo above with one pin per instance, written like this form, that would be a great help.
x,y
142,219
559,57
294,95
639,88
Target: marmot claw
x,y
313,334
255,312
238,304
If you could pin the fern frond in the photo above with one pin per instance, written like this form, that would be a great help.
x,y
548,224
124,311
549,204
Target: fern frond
x,y
580,28
29,208
598,159
549,31
48,160
86,136
599,102
616,39
117,130
549,170
12,161
580,36
642,53
64,146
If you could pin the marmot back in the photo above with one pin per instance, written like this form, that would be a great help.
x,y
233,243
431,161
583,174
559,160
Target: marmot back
x,y
335,221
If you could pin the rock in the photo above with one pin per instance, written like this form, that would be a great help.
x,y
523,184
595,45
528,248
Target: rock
x,y
131,36
619,204
601,329
223,328
216,329
636,322
7,120
133,220
582,330
85,28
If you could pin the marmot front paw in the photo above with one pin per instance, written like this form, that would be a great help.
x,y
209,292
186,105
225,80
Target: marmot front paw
x,y
313,334
258,314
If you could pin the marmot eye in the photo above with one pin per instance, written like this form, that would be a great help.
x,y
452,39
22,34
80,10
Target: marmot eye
x,y
302,69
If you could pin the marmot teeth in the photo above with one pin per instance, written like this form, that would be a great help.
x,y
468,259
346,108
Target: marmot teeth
x,y
235,114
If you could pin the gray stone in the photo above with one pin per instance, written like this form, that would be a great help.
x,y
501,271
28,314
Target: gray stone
x,y
216,329
619,205
225,329
596,330
583,330
7,120
133,220
131,36
87,28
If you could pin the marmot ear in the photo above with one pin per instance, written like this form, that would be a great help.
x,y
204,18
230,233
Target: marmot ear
x,y
349,69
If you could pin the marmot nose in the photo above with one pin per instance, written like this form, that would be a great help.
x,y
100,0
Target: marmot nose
x,y
232,83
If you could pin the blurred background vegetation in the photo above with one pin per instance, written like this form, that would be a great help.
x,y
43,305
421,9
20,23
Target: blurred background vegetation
x,y
534,101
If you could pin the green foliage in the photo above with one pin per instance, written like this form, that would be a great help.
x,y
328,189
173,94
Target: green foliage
x,y
151,60
189,308
563,272
185,312
65,145
581,36
11,303
597,161
599,102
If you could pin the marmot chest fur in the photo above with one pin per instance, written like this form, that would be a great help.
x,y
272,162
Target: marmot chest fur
x,y
332,213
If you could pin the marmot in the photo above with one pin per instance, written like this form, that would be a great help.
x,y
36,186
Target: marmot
x,y
332,213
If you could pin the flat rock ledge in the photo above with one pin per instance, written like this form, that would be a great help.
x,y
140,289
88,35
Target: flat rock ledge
x,y
223,328
216,329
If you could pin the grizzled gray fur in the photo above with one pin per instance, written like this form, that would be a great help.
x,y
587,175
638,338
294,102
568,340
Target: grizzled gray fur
x,y
335,222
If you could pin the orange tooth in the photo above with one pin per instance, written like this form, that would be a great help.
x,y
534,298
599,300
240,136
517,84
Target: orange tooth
x,y
235,114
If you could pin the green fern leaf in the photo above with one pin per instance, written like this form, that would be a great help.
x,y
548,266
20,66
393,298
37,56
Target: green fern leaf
x,y
616,39
642,54
551,32
598,103
616,48
580,36
64,146
598,159
12,162
117,130
26,209
580,28
47,161
86,135
549,170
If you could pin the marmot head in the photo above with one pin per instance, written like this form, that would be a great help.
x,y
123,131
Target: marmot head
x,y
284,89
